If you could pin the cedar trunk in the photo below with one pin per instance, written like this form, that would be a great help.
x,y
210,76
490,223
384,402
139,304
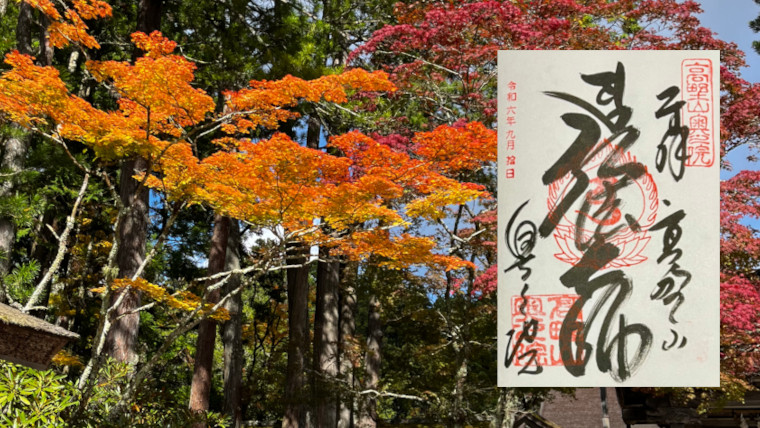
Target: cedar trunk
x,y
347,332
232,332
298,338
149,15
204,349
372,361
122,337
326,336
15,145
133,232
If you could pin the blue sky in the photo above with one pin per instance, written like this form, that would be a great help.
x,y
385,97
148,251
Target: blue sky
x,y
730,19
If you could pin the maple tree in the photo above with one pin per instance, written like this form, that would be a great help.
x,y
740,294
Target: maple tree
x,y
273,183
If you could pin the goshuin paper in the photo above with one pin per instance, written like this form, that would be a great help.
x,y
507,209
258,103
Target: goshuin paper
x,y
608,248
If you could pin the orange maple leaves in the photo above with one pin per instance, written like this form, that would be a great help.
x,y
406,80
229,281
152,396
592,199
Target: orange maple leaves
x,y
71,28
264,100
273,183
156,92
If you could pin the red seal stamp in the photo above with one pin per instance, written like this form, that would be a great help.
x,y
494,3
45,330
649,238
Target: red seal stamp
x,y
697,89
550,311
625,225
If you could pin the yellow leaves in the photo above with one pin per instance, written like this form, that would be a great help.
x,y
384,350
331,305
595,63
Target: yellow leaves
x,y
391,252
157,93
449,263
74,31
441,192
397,252
92,9
362,80
435,191
269,183
361,201
180,170
274,183
29,94
372,158
66,358
157,100
182,300
45,6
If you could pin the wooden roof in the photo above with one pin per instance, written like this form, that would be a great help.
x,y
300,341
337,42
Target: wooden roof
x,y
13,316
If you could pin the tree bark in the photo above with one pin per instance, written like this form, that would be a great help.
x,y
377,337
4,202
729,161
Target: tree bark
x,y
505,410
149,15
15,143
24,29
232,332
347,332
372,361
122,337
458,412
45,57
204,349
298,338
326,336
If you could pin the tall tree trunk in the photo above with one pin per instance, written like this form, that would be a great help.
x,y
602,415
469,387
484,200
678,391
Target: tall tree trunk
x,y
45,57
347,332
458,413
149,15
24,29
15,146
298,338
326,327
326,336
204,349
122,337
232,332
372,360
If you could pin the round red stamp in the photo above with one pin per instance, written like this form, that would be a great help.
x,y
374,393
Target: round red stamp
x,y
622,214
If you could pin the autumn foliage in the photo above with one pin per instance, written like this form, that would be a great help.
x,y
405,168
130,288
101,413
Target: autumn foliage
x,y
269,183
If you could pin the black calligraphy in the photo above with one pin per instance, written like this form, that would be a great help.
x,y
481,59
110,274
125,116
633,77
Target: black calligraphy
x,y
521,239
672,148
616,337
669,289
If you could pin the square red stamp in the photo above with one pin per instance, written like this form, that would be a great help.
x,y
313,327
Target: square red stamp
x,y
697,88
549,310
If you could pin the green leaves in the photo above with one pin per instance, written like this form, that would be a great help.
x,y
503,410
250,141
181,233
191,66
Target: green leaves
x,y
31,398
21,280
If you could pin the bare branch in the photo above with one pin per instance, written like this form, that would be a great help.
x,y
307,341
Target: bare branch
x,y
50,228
63,241
376,393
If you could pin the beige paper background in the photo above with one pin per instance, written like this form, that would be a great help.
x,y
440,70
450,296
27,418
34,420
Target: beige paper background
x,y
541,138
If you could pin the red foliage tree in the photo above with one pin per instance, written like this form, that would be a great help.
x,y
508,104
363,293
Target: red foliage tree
x,y
442,57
